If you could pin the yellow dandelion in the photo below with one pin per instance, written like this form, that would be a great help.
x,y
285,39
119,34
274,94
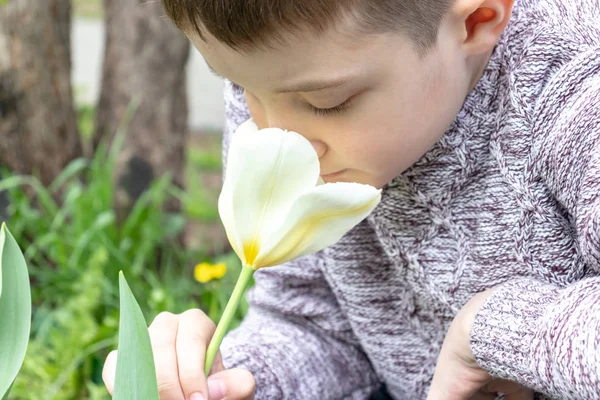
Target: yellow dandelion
x,y
219,270
206,272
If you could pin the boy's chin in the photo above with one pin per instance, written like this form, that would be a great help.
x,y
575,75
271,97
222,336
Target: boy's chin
x,y
348,176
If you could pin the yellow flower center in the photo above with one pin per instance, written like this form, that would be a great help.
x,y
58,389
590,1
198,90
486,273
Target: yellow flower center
x,y
251,251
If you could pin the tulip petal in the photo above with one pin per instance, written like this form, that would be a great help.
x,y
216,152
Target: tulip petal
x,y
225,205
267,171
245,131
318,219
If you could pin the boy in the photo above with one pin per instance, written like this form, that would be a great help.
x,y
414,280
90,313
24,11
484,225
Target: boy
x,y
478,273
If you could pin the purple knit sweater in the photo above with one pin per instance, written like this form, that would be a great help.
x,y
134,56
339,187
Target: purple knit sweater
x,y
509,198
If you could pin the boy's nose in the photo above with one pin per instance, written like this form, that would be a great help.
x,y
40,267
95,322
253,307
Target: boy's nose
x,y
262,120
319,147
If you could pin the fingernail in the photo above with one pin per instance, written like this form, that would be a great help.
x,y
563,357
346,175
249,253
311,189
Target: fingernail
x,y
216,389
197,396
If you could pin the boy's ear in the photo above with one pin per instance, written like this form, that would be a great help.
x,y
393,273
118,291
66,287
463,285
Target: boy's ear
x,y
481,22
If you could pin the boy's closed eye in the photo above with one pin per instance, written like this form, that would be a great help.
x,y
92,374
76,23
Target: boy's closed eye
x,y
330,111
329,103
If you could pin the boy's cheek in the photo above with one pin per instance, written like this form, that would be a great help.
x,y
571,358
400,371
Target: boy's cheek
x,y
256,110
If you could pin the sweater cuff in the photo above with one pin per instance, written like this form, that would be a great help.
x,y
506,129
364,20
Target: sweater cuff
x,y
506,326
251,358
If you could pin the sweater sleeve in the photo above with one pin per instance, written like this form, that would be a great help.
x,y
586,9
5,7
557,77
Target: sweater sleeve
x,y
295,340
538,334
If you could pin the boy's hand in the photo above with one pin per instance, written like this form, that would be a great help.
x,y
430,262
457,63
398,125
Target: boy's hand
x,y
457,375
179,343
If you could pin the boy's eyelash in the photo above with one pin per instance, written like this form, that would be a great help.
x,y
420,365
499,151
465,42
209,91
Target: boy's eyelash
x,y
325,112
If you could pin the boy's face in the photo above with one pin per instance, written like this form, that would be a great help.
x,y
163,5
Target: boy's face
x,y
370,105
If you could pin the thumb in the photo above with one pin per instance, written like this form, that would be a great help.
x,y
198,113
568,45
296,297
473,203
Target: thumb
x,y
450,386
217,364
233,384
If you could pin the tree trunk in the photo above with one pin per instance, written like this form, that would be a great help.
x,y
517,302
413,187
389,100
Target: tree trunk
x,y
145,58
38,126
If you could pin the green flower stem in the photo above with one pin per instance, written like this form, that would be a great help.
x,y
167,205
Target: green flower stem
x,y
232,305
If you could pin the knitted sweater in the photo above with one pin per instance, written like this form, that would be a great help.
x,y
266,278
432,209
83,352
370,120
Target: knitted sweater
x,y
508,198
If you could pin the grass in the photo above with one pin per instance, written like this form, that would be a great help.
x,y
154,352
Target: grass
x,y
201,202
206,158
85,118
75,248
203,178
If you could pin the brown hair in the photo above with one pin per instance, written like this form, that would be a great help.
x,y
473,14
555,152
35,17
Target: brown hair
x,y
248,24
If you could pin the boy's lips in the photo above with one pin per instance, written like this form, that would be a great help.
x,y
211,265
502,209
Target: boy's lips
x,y
333,174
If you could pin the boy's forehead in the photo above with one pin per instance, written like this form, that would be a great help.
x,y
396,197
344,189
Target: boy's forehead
x,y
334,54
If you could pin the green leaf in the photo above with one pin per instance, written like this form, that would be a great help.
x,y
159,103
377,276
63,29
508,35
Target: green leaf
x,y
72,170
15,309
5,397
135,376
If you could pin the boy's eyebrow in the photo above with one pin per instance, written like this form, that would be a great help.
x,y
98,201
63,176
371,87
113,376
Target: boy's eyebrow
x,y
315,85
303,87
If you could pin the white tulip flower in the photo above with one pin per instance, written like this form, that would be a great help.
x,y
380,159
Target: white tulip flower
x,y
272,205
275,207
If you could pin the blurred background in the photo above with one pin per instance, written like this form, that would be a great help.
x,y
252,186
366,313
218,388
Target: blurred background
x,y
110,159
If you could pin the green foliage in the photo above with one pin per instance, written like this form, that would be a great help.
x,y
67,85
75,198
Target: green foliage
x,y
15,309
199,202
85,121
75,248
135,375
65,337
206,158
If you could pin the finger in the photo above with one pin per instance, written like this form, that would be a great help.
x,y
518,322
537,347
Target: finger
x,y
193,336
217,364
233,384
109,370
163,333
452,380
